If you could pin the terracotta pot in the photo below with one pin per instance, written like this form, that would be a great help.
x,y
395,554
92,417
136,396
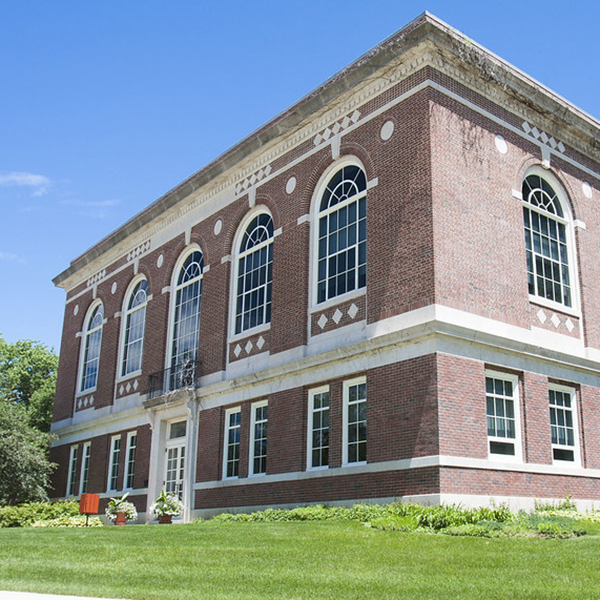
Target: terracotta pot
x,y
164,519
121,519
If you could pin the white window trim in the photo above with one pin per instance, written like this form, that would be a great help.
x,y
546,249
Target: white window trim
x,y
127,471
228,413
346,387
235,260
124,315
568,219
111,464
190,249
311,409
576,462
253,408
85,465
315,213
83,337
518,440
73,456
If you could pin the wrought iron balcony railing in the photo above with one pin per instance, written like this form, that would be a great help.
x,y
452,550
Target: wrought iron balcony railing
x,y
182,376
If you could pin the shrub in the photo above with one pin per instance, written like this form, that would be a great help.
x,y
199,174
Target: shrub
x,y
65,521
23,515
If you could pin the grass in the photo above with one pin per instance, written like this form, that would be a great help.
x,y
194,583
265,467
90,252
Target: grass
x,y
329,559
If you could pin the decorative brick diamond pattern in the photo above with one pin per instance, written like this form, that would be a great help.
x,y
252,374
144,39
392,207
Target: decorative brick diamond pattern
x,y
96,278
252,180
543,137
336,128
141,249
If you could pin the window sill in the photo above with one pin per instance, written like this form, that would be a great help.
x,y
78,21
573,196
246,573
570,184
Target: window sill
x,y
86,392
338,300
555,306
249,333
131,375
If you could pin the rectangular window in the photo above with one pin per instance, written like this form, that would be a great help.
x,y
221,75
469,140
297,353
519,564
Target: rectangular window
x,y
318,428
113,469
85,467
563,424
130,459
355,421
231,465
501,394
72,480
258,439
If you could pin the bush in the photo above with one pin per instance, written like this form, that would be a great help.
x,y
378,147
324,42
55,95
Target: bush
x,y
23,515
65,521
395,523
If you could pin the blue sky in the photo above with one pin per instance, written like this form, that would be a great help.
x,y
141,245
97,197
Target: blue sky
x,y
105,106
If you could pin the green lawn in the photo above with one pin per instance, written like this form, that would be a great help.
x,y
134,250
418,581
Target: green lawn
x,y
292,560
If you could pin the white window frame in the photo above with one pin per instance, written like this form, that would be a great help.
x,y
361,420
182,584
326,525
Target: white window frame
x,y
130,448
312,394
517,440
575,448
568,221
235,271
226,445
113,463
179,442
72,473
84,476
253,423
86,333
346,404
175,288
317,214
127,315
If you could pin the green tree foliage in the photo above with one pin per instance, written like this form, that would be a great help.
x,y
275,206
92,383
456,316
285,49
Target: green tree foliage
x,y
27,387
24,465
28,379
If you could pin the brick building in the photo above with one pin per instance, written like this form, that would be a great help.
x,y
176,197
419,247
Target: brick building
x,y
390,291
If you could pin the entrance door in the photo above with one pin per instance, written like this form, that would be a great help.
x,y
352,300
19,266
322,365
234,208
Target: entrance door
x,y
175,463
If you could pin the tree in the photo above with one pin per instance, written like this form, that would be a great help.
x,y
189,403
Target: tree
x,y
27,387
28,379
24,465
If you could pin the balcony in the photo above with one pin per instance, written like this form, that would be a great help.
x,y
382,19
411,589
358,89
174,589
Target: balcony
x,y
182,376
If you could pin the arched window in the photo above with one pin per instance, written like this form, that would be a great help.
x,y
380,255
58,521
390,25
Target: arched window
x,y
342,234
254,274
135,322
546,242
186,320
91,353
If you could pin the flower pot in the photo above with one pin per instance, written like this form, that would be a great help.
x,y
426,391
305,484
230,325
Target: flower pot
x,y
121,519
164,519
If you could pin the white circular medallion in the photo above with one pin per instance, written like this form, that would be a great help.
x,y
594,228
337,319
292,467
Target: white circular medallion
x,y
387,130
501,144
113,288
290,186
159,261
218,227
76,309
587,190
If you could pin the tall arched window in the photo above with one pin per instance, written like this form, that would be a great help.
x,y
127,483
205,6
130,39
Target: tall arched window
x,y
135,322
186,320
254,274
91,349
546,242
342,236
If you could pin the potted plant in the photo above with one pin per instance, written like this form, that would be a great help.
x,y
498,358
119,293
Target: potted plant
x,y
120,510
166,506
